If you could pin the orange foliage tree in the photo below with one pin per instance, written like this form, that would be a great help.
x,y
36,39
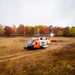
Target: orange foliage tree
x,y
22,29
14,30
7,31
43,30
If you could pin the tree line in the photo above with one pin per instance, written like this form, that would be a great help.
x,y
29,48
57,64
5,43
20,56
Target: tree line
x,y
36,30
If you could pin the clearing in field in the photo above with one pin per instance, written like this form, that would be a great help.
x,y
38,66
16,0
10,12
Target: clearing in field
x,y
57,59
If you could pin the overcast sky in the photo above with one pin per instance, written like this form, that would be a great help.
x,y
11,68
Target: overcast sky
x,y
37,12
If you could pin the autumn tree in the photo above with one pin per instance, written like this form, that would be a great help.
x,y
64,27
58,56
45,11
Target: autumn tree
x,y
22,29
66,31
47,30
7,31
50,29
56,30
43,30
1,29
72,31
18,30
60,33
37,30
32,30
14,30
29,30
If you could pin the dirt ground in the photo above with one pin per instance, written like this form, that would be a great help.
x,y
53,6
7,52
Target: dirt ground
x,y
12,48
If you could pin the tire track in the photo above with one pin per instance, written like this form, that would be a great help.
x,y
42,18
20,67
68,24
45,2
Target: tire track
x,y
15,56
20,55
10,56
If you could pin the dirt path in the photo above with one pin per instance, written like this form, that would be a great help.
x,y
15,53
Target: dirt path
x,y
51,46
15,56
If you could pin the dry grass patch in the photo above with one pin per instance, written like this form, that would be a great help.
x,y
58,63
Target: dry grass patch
x,y
59,61
51,62
11,45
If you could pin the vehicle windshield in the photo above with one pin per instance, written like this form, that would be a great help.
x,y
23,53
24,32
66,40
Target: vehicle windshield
x,y
30,42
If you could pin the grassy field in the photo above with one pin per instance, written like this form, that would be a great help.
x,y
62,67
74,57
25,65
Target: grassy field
x,y
57,59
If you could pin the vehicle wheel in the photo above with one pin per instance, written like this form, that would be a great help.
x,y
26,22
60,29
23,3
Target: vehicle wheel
x,y
28,48
24,48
